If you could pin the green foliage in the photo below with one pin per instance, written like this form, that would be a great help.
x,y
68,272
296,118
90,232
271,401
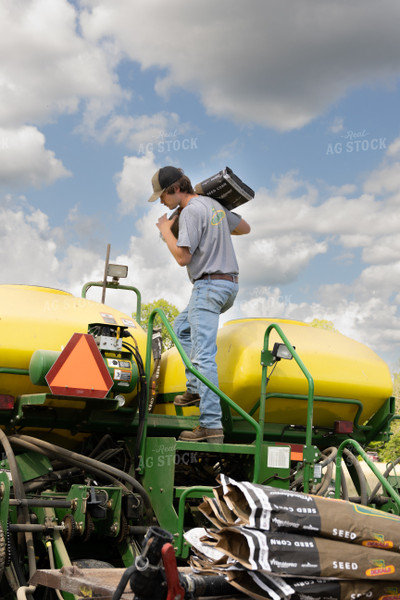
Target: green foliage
x,y
391,450
170,312
323,324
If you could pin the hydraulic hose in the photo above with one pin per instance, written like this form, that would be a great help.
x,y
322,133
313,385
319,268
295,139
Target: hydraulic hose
x,y
92,465
361,477
389,468
52,563
23,590
82,466
19,494
330,455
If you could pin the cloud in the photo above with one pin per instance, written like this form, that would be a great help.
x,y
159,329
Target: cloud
x,y
337,126
28,245
383,250
394,148
144,133
134,182
150,262
24,160
371,321
50,67
385,180
32,252
292,223
280,64
280,259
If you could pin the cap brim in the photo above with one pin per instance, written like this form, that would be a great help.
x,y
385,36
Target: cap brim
x,y
155,196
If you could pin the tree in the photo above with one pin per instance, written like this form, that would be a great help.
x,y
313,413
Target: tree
x,y
170,312
323,324
391,450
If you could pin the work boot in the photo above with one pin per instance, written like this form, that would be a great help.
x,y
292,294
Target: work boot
x,y
201,434
187,399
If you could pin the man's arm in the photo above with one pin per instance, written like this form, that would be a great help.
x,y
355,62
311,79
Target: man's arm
x,y
242,228
180,253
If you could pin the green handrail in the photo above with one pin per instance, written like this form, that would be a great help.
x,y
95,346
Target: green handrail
x,y
116,286
181,510
385,484
267,361
258,429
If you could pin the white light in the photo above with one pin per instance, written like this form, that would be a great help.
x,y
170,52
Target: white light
x,y
281,351
117,271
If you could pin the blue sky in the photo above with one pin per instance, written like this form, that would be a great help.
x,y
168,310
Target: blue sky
x,y
301,99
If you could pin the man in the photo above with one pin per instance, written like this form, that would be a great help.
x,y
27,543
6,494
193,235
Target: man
x,y
205,248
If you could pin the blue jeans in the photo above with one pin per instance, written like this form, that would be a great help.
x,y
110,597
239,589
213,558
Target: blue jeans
x,y
196,328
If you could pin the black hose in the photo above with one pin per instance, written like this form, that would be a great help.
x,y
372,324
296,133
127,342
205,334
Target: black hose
x,y
123,582
91,465
343,484
361,477
142,398
326,480
82,466
104,439
327,477
389,468
55,476
19,494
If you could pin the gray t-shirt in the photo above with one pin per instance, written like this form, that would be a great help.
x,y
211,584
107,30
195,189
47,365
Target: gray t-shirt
x,y
205,228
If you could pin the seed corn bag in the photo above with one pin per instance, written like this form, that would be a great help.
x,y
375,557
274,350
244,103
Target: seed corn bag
x,y
272,509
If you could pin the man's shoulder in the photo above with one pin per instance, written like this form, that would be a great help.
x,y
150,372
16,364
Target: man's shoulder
x,y
203,202
197,204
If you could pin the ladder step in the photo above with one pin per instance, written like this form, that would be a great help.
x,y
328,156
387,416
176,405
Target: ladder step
x,y
178,491
220,448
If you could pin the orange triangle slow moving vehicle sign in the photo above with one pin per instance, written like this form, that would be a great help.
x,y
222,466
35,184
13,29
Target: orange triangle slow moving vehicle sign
x,y
80,370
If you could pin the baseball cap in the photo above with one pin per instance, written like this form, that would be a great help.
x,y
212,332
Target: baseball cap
x,y
161,180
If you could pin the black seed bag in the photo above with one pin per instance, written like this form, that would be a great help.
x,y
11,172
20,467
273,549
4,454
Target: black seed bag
x,y
282,553
259,586
270,509
227,188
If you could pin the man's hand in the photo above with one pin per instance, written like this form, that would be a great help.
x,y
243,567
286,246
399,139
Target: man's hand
x,y
164,224
180,253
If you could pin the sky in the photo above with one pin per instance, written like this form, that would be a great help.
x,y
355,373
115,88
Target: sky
x,y
299,98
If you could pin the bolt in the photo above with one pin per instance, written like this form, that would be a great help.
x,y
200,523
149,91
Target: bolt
x,y
114,528
79,527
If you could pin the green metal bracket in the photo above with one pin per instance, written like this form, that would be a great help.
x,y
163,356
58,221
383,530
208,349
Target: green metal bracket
x,y
70,412
158,465
21,402
77,495
379,424
4,500
385,484
116,286
195,491
266,358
